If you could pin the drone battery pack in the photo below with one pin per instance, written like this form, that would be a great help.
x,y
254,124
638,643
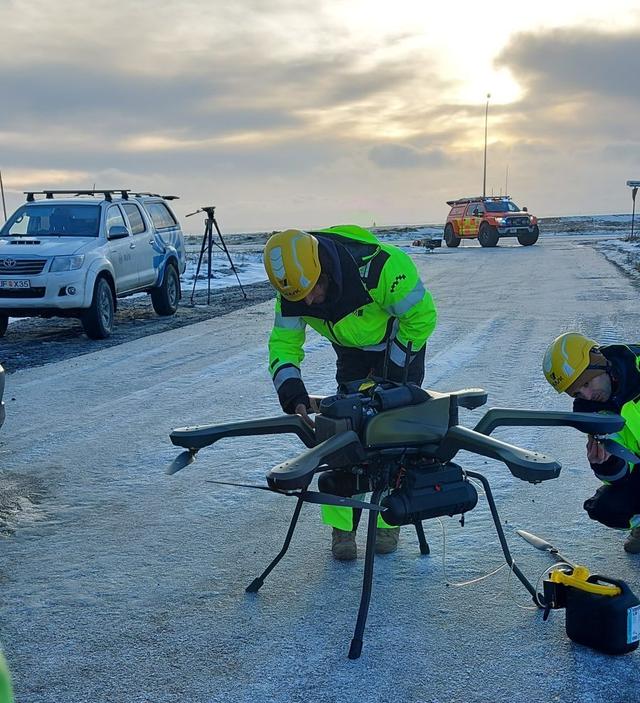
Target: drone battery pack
x,y
431,493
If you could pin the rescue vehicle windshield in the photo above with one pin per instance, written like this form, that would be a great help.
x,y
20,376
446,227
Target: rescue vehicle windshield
x,y
501,206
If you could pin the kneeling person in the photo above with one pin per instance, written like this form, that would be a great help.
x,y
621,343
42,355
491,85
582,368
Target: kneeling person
x,y
605,379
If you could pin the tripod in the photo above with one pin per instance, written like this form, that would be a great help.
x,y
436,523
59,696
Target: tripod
x,y
207,241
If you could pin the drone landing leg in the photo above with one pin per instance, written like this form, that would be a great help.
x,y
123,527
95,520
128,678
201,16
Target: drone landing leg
x,y
356,643
256,584
424,545
505,547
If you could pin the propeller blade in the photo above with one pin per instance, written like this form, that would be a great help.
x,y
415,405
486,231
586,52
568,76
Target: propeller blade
x,y
183,459
310,496
248,485
330,499
543,545
618,450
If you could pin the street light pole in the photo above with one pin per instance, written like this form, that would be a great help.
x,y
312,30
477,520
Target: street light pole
x,y
484,170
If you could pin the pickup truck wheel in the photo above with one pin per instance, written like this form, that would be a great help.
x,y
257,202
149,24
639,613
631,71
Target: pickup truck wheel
x,y
529,238
450,238
166,296
4,322
487,236
97,321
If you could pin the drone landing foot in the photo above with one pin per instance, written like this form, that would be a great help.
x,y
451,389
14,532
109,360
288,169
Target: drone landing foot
x,y
503,541
355,649
256,584
422,540
365,598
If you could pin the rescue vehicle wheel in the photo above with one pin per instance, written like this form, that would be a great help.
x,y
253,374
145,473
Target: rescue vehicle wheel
x,y
450,238
529,238
487,236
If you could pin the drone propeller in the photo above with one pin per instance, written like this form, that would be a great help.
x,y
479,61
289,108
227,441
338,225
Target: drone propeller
x,y
311,496
183,459
543,546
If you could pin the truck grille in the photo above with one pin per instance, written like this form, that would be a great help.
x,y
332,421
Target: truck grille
x,y
517,221
21,267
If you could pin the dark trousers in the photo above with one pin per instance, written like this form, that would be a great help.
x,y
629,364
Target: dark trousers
x,y
615,504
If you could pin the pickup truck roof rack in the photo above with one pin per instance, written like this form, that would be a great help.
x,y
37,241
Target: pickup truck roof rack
x,y
157,195
477,199
107,193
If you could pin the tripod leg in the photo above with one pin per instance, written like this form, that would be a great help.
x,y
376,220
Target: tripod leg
x,y
209,238
422,540
256,584
195,278
356,643
503,542
226,251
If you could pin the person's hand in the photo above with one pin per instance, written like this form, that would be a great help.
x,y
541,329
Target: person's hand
x,y
596,453
301,409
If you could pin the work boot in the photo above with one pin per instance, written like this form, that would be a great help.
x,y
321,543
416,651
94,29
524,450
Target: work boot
x,y
343,545
387,539
632,543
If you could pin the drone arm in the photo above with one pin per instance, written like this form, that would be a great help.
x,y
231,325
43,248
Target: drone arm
x,y
524,464
200,436
589,423
297,473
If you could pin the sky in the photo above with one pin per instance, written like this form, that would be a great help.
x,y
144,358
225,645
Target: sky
x,y
293,113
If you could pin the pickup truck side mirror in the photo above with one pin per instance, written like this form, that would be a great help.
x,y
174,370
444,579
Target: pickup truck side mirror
x,y
476,212
117,232
524,209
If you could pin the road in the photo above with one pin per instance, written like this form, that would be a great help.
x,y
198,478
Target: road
x,y
120,583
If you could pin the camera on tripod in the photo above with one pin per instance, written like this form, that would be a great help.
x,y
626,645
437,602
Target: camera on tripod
x,y
207,242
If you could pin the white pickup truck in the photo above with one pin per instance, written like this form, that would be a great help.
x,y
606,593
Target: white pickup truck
x,y
74,253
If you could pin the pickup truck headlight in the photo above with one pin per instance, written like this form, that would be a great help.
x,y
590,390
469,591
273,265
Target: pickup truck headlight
x,y
67,263
500,220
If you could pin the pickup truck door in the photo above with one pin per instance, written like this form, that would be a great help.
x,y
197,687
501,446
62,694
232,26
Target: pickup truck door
x,y
121,252
143,237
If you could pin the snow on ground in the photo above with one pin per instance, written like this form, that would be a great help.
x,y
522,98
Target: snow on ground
x,y
122,583
245,250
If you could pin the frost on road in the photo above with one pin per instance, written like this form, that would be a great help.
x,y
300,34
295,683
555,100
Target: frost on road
x,y
120,583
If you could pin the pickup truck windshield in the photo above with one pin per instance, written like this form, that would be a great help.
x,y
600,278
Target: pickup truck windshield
x,y
53,220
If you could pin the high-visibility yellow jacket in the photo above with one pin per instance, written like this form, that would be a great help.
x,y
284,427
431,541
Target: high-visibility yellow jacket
x,y
624,361
376,295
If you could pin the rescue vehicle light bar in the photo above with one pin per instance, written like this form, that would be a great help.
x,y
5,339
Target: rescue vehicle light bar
x,y
479,198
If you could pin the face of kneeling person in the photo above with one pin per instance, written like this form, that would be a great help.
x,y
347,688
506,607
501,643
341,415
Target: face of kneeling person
x,y
596,389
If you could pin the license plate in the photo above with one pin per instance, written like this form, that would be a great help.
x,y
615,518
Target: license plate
x,y
11,283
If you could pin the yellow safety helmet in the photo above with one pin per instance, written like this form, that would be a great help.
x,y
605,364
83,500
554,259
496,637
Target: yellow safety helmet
x,y
567,358
292,263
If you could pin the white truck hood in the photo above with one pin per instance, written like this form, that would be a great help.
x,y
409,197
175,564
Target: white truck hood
x,y
43,246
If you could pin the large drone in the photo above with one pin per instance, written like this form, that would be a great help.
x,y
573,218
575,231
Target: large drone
x,y
397,441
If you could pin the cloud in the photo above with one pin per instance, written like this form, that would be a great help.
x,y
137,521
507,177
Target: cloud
x,y
569,63
405,156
